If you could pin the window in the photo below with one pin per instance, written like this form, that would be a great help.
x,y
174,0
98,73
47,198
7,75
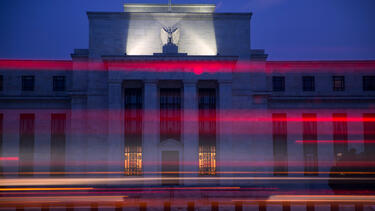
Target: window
x,y
58,124
280,146
133,132
170,114
369,135
58,83
278,83
207,131
369,83
1,141
310,145
338,83
26,144
308,83
340,134
28,83
1,83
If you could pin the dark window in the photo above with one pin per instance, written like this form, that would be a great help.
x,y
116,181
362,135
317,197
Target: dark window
x,y
369,83
340,134
58,125
1,83
278,83
26,144
280,146
1,142
170,114
310,145
369,135
338,83
28,83
308,83
58,83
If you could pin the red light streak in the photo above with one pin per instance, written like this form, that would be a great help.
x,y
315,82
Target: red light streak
x,y
191,66
335,141
9,158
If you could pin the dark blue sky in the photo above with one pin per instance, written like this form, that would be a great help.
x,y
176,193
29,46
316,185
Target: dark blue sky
x,y
286,29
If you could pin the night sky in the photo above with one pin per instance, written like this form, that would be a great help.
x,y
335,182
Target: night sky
x,y
286,29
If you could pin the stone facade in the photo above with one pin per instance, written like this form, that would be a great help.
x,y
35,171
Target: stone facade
x,y
96,82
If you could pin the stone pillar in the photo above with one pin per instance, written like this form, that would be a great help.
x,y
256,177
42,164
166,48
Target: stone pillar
x,y
150,128
76,148
76,143
190,160
115,127
225,156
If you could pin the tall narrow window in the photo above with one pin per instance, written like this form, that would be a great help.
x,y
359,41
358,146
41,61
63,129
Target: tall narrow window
x,y
207,131
1,143
1,83
369,135
170,114
310,146
280,146
26,144
340,134
278,83
133,131
308,83
58,125
28,83
58,83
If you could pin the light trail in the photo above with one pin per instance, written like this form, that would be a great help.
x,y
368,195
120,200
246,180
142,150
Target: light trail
x,y
119,181
193,172
335,141
192,66
43,189
9,158
322,198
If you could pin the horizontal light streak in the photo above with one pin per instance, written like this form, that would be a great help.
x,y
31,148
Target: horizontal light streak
x,y
9,158
114,180
191,66
42,189
321,198
335,141
193,172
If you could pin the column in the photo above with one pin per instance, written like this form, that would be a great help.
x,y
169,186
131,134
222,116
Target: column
x,y
150,129
76,148
115,127
225,156
190,125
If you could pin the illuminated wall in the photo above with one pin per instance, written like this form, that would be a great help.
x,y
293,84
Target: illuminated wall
x,y
138,33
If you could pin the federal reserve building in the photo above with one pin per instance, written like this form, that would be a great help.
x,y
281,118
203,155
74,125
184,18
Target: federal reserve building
x,y
171,100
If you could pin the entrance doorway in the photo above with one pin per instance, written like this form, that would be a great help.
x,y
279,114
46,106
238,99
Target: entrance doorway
x,y
170,167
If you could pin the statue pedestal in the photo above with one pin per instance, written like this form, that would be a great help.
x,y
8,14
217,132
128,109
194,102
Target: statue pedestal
x,y
170,49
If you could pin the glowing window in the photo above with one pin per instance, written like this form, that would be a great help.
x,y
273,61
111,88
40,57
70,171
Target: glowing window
x,y
207,160
133,160
133,131
207,131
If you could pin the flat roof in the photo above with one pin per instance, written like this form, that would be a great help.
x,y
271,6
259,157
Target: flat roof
x,y
204,8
